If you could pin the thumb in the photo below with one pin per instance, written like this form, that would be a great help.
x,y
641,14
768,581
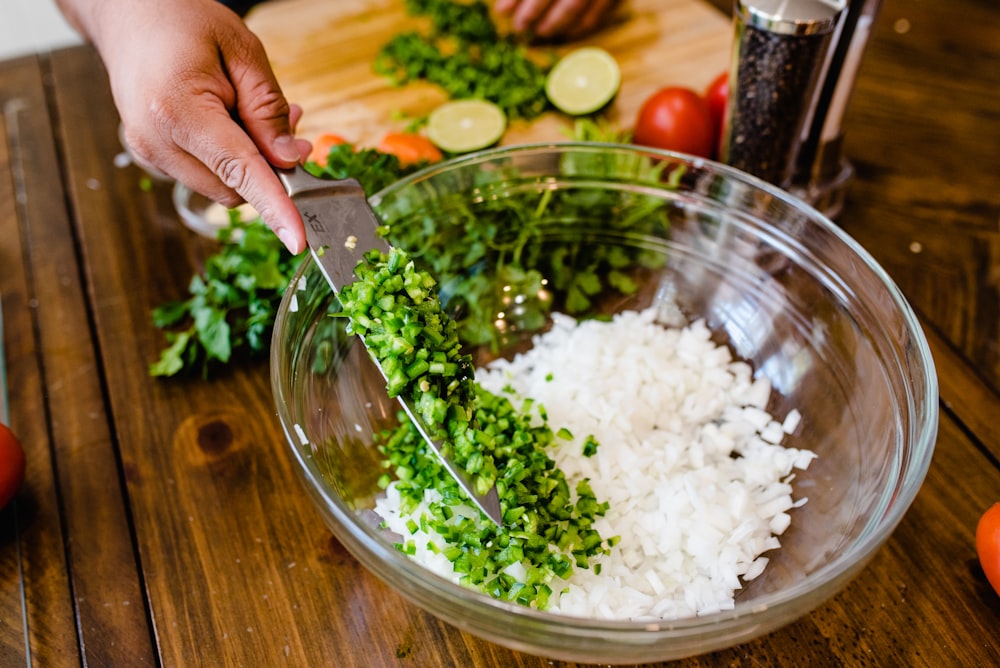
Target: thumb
x,y
261,107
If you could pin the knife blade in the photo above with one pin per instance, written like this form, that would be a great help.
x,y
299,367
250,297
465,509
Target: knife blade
x,y
340,228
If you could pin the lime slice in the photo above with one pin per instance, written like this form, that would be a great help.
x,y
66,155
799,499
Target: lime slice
x,y
461,126
583,81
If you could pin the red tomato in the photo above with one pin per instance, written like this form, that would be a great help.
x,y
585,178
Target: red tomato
x,y
11,465
676,119
988,545
411,149
716,96
322,146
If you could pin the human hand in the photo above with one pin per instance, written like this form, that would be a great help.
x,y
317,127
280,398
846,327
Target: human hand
x,y
198,101
555,18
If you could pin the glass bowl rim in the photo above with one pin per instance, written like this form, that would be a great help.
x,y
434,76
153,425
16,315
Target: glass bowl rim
x,y
785,604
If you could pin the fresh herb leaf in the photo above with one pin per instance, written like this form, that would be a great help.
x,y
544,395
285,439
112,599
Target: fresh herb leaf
x,y
482,253
172,359
504,254
232,304
598,129
169,314
373,169
465,55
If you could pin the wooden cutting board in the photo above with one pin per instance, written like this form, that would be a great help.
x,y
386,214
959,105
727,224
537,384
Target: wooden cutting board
x,y
322,52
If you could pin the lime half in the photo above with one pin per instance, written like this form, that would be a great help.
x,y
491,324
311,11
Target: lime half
x,y
461,126
583,81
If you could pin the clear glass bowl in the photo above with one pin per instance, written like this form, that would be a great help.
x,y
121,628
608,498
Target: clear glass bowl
x,y
208,218
786,289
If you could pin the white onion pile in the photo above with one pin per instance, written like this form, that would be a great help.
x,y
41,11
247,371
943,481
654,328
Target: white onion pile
x,y
690,461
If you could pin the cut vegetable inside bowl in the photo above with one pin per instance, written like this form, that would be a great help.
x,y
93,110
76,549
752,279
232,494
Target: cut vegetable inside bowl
x,y
707,406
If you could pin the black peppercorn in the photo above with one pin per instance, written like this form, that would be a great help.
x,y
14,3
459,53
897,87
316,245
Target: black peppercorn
x,y
780,49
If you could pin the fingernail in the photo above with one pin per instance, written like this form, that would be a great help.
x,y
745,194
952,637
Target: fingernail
x,y
288,238
286,148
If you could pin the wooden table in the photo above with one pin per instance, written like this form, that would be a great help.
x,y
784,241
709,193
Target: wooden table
x,y
161,522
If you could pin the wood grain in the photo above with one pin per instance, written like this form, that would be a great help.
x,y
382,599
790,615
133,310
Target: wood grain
x,y
926,201
966,396
37,621
107,585
101,564
327,67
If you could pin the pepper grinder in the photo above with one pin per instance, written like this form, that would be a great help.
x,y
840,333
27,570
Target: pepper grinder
x,y
779,53
823,171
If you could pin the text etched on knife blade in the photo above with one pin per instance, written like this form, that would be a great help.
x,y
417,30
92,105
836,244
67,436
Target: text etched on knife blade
x,y
314,221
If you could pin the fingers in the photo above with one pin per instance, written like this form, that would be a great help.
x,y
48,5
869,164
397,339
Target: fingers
x,y
269,121
561,17
199,101
594,15
553,18
196,140
228,166
528,12
524,13
260,105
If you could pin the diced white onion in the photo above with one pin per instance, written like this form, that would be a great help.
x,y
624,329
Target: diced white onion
x,y
691,463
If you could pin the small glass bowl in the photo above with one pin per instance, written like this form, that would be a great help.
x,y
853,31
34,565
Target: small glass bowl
x,y
782,286
126,157
205,216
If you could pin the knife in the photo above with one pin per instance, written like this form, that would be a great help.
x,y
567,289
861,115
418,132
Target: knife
x,y
340,228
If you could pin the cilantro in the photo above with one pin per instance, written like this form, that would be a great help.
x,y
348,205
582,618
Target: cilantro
x,y
507,243
373,169
232,304
598,129
519,239
465,55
